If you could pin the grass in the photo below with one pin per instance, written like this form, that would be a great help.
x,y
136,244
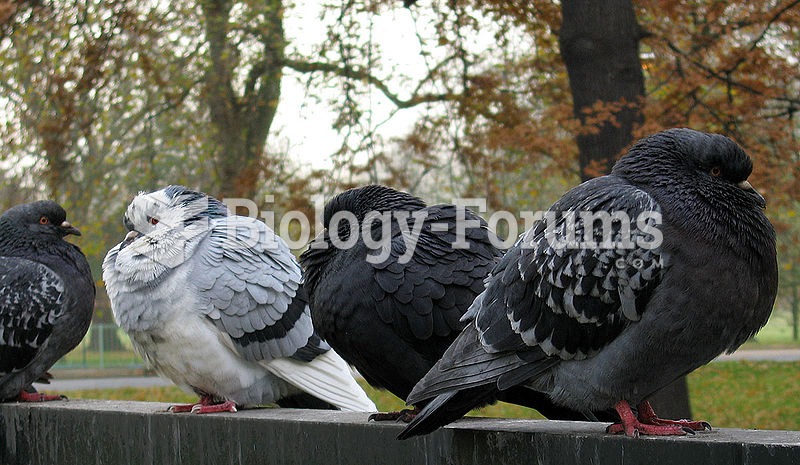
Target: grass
x,y
761,395
776,334
742,394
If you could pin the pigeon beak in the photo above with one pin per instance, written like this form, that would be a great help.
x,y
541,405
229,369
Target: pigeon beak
x,y
67,229
747,187
129,238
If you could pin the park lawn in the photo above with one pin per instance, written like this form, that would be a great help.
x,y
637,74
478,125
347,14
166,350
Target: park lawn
x,y
776,334
741,394
747,394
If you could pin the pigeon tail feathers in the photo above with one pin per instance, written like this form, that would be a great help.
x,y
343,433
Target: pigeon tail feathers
x,y
327,378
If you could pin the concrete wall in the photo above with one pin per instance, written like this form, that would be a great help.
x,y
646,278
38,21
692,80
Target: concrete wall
x,y
139,433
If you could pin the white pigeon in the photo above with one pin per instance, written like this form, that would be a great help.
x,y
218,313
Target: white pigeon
x,y
215,303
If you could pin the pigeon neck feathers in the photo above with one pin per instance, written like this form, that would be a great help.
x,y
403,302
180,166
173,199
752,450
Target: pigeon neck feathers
x,y
374,197
361,201
700,182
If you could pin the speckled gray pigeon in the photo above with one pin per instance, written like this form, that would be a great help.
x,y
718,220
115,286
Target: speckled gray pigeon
x,y
607,318
46,296
215,303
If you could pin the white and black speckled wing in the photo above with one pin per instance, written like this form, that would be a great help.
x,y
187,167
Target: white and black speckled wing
x,y
554,296
31,299
569,287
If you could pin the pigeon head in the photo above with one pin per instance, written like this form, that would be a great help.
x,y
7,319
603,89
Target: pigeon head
x,y
43,220
711,166
375,197
164,226
169,208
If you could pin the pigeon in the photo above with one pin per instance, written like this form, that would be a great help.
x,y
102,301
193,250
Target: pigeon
x,y
628,282
388,287
46,297
215,303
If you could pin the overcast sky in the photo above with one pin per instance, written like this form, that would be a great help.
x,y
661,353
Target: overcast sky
x,y
304,124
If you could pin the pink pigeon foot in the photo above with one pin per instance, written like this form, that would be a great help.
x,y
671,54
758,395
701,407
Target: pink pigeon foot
x,y
206,405
227,406
647,415
25,396
648,423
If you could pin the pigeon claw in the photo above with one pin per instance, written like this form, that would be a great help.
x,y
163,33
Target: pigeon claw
x,y
181,408
227,406
637,429
207,404
405,415
648,423
647,415
689,425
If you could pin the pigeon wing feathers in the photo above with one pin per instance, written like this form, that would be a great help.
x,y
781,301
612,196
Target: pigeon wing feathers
x,y
544,303
466,365
365,323
31,299
571,293
394,315
427,292
249,284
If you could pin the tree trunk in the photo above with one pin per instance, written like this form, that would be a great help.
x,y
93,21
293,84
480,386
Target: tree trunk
x,y
599,44
242,122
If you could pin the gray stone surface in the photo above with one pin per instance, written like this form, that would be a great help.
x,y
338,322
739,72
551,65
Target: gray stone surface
x,y
140,433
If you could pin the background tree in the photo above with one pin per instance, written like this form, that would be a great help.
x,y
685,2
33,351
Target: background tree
x,y
242,118
599,42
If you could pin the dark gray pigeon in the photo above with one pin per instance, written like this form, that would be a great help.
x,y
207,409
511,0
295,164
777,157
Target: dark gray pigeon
x,y
215,303
390,295
46,296
607,318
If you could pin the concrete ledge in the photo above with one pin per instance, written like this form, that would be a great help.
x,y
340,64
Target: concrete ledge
x,y
142,433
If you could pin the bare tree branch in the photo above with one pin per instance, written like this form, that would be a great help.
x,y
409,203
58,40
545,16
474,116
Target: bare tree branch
x,y
365,76
772,20
726,77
